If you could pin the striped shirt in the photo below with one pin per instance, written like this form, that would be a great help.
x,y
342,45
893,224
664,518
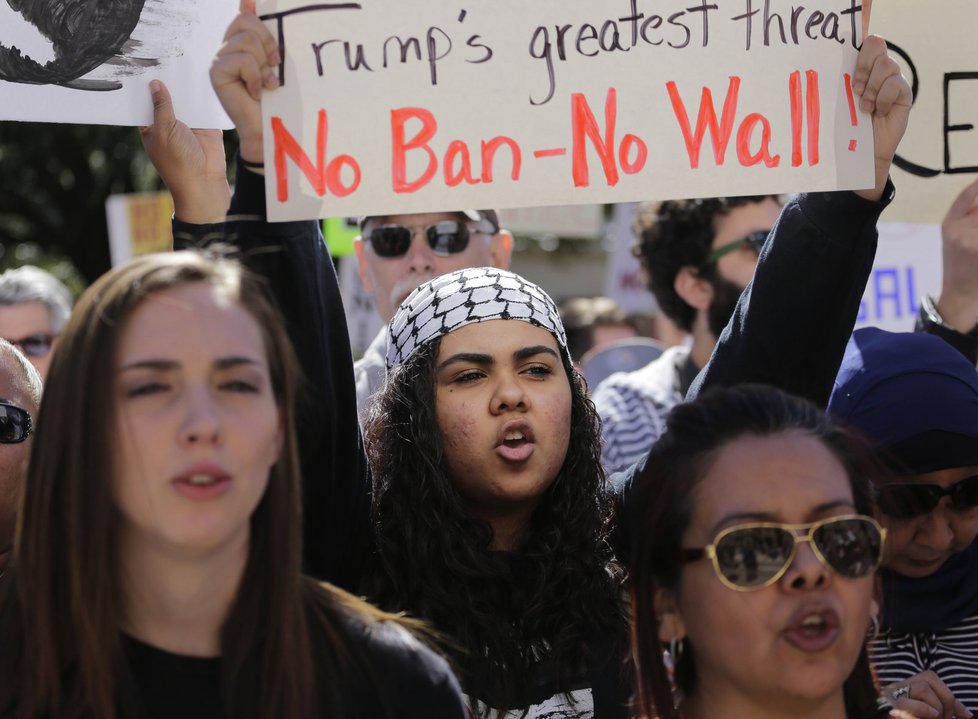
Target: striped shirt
x,y
951,654
633,407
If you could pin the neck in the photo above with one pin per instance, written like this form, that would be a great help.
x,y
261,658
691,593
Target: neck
x,y
509,530
710,701
176,601
703,340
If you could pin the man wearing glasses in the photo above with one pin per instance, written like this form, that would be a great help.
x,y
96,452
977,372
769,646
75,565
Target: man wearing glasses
x,y
698,256
20,396
396,253
34,306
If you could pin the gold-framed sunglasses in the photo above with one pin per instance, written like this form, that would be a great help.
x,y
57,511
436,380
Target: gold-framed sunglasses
x,y
752,556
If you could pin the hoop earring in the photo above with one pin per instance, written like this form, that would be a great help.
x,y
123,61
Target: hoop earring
x,y
875,633
675,649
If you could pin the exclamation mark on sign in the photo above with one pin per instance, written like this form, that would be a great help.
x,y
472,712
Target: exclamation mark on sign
x,y
853,117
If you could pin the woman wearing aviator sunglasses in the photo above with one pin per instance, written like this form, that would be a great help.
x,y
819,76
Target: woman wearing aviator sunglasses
x,y
754,563
916,398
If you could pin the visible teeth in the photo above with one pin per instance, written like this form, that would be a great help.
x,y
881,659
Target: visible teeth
x,y
201,479
813,620
513,435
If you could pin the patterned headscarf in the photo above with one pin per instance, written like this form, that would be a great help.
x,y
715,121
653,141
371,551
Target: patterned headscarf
x,y
476,294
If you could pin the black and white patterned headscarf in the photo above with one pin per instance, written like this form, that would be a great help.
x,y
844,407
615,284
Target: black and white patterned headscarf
x,y
476,294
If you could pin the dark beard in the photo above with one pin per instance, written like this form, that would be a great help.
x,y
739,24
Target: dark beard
x,y
725,296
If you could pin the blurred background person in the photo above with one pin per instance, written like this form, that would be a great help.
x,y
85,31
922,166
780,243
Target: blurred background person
x,y
34,306
698,255
20,396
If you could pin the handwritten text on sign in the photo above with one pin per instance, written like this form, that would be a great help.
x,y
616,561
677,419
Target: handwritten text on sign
x,y
429,105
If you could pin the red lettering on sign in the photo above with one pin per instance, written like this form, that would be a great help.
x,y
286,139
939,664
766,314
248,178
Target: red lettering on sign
x,y
720,131
401,146
322,175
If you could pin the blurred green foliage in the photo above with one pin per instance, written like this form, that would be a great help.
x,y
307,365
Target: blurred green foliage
x,y
54,180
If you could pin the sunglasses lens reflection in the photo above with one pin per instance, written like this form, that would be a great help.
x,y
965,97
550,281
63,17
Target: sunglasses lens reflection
x,y
13,424
751,557
851,547
390,240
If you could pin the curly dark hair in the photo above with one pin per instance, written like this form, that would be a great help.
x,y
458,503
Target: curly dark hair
x,y
676,233
661,507
562,593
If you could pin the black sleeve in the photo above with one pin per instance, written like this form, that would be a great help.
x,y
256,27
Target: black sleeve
x,y
413,681
296,264
928,320
794,319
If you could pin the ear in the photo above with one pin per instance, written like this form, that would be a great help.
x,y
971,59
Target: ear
x,y
363,267
671,624
501,249
692,288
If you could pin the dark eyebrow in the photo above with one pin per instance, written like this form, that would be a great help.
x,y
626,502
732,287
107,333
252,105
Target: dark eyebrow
x,y
164,365
527,352
485,359
471,357
744,517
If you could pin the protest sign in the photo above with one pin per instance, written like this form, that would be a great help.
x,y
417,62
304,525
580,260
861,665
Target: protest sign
x,y
409,107
138,223
935,44
91,61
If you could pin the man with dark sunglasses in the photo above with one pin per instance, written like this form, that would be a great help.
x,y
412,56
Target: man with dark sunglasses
x,y
20,396
396,253
698,256
916,398
34,306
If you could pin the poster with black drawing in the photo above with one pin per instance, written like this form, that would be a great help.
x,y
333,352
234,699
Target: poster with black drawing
x,y
91,61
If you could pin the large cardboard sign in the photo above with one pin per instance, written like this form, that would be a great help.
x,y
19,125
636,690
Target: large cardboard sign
x,y
90,61
427,105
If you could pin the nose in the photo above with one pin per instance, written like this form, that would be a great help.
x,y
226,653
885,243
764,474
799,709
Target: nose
x,y
201,423
420,257
935,530
509,395
806,570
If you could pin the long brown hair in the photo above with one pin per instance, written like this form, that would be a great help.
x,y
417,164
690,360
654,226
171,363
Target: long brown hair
x,y
60,603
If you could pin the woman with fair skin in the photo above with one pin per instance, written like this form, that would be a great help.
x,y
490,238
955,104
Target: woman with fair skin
x,y
754,563
156,568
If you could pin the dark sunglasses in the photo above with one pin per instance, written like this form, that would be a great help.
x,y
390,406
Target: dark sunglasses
x,y
755,240
35,345
15,423
445,238
913,499
751,556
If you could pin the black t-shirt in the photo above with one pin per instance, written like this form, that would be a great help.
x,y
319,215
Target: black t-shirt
x,y
411,680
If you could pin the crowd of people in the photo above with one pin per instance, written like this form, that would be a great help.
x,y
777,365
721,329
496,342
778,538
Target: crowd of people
x,y
223,515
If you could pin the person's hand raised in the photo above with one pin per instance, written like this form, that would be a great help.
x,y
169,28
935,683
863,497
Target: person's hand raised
x,y
246,64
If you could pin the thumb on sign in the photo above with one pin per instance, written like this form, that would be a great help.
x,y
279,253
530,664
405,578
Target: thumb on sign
x,y
867,9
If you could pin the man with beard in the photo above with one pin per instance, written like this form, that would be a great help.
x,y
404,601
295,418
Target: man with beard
x,y
698,256
396,253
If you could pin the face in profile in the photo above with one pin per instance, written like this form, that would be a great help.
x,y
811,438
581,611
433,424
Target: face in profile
x,y
503,405
799,637
929,518
198,427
